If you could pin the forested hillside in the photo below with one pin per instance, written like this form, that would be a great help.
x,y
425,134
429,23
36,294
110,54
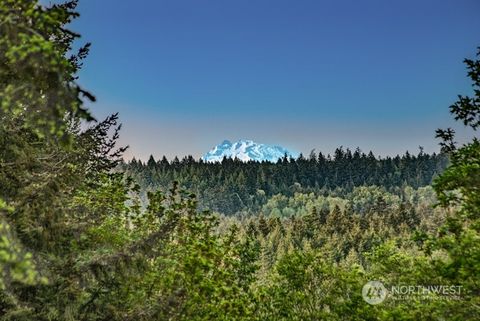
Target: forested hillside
x,y
233,186
78,242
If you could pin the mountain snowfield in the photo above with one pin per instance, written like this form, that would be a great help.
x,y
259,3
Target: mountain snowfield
x,y
246,150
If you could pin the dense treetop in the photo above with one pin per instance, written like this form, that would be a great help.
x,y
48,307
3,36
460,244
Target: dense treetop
x,y
233,186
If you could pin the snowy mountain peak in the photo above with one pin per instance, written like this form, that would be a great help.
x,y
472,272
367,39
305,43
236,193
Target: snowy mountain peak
x,y
226,142
246,150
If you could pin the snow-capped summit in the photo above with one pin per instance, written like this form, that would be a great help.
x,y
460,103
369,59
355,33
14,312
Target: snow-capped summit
x,y
246,150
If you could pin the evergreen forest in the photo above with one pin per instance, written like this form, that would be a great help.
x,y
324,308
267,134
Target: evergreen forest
x,y
86,235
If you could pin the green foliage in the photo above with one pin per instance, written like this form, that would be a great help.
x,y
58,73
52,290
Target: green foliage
x,y
16,264
234,187
37,80
458,191
78,242
305,286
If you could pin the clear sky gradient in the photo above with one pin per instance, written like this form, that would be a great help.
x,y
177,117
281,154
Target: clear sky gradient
x,y
305,74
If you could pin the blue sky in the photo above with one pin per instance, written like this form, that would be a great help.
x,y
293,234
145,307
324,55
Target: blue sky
x,y
187,74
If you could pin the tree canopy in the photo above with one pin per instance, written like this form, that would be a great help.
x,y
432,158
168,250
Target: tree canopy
x,y
84,236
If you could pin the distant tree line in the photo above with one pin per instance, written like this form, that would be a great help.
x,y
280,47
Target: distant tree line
x,y
233,186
